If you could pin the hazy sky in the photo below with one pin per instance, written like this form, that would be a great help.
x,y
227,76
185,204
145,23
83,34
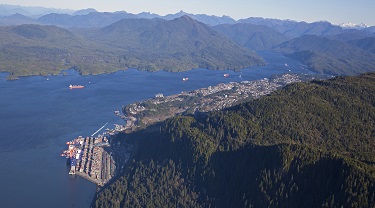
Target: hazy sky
x,y
335,11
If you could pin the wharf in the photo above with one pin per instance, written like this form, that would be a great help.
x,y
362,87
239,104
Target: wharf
x,y
95,159
91,161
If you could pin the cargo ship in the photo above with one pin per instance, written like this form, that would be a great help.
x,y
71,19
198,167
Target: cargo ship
x,y
73,153
76,86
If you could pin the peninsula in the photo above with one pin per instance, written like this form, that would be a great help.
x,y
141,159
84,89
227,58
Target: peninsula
x,y
101,158
212,98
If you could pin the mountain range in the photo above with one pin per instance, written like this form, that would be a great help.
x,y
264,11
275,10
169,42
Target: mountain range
x,y
367,43
7,10
65,18
295,29
189,42
176,45
349,25
324,55
110,41
101,19
255,37
43,50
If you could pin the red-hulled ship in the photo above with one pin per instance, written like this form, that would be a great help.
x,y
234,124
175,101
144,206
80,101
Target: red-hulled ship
x,y
76,86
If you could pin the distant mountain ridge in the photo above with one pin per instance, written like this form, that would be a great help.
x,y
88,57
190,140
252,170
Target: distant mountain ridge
x,y
183,39
84,11
287,27
367,43
206,19
255,37
212,20
7,10
295,29
328,56
90,20
68,19
16,19
349,25
42,50
370,30
349,35
102,19
152,42
176,45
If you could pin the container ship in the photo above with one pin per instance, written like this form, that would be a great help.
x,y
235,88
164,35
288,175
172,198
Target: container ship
x,y
73,153
76,86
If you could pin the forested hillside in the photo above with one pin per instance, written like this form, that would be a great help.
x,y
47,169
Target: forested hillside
x,y
255,37
295,29
323,55
365,43
307,145
41,50
177,45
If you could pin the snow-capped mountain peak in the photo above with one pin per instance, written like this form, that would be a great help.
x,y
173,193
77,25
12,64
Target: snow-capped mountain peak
x,y
349,25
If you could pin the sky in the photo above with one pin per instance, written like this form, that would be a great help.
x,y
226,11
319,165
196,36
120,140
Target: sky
x,y
334,11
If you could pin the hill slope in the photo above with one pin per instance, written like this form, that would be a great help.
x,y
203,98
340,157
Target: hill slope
x,y
16,19
176,45
42,50
367,44
255,37
307,145
90,20
327,56
6,10
295,29
84,18
206,19
179,44
349,35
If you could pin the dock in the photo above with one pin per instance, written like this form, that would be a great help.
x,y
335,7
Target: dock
x,y
91,160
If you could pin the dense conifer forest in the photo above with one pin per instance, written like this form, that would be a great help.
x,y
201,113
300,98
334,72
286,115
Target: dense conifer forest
x,y
307,145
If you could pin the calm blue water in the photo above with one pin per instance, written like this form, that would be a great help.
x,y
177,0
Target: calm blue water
x,y
37,117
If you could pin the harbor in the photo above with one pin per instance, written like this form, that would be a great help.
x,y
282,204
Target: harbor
x,y
99,158
95,158
44,134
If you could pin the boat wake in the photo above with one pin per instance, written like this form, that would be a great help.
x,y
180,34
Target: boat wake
x,y
99,129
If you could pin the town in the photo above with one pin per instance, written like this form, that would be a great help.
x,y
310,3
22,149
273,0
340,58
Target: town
x,y
203,100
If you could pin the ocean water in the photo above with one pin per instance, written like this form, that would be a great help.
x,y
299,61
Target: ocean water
x,y
39,114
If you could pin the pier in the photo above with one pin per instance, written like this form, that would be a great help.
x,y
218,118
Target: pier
x,y
92,158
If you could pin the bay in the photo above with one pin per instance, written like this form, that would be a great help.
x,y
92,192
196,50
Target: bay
x,y
39,114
